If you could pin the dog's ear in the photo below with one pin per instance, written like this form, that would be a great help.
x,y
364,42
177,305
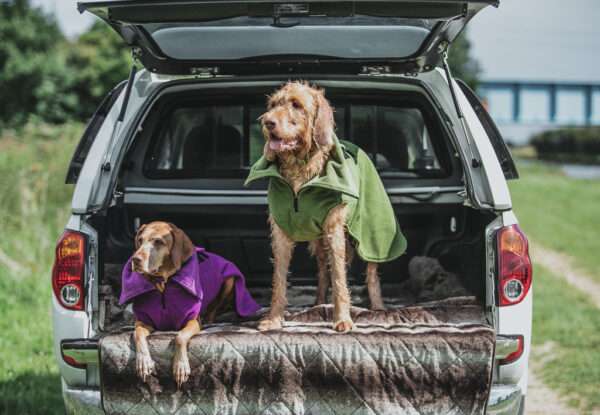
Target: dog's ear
x,y
182,248
137,235
267,152
324,124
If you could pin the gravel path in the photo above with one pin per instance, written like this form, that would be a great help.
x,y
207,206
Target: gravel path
x,y
563,266
542,400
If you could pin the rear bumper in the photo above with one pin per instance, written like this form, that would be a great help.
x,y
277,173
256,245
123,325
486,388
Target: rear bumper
x,y
504,400
81,400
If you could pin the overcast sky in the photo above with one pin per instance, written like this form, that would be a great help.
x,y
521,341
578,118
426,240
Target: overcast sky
x,y
551,40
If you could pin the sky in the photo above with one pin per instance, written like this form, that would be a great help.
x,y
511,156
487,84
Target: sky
x,y
526,40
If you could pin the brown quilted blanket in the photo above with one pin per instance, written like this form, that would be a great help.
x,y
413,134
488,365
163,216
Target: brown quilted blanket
x,y
434,358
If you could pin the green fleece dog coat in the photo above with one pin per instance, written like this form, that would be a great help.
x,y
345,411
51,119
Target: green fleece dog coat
x,y
350,178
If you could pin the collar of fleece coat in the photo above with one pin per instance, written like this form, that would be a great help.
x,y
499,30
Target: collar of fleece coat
x,y
338,175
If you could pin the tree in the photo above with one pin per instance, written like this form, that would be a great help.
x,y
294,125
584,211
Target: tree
x,y
99,60
462,64
33,80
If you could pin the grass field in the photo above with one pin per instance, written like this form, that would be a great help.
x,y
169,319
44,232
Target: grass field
x,y
555,211
562,214
33,210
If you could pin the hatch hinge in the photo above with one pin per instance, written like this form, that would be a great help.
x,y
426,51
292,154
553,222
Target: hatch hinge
x,y
375,70
205,71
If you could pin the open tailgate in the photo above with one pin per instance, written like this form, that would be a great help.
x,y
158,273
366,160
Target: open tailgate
x,y
256,36
428,359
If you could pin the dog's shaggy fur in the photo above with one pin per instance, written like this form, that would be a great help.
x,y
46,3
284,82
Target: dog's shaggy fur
x,y
298,128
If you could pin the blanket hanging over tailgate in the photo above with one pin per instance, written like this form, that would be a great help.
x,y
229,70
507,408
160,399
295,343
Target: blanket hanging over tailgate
x,y
434,358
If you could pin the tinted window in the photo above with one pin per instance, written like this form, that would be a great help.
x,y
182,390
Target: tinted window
x,y
224,140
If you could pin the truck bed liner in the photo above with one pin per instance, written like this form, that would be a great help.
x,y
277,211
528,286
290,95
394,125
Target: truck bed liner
x,y
430,358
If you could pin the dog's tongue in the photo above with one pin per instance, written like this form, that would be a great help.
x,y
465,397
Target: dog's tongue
x,y
275,145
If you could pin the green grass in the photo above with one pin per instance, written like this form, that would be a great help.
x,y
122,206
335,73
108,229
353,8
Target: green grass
x,y
34,206
560,213
566,317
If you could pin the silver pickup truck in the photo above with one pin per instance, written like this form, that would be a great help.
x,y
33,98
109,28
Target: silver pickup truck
x,y
175,141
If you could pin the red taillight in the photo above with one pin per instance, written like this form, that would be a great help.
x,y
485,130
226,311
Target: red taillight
x,y
514,356
514,265
68,270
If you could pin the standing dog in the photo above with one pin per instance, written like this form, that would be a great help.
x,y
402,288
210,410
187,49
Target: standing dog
x,y
172,283
321,190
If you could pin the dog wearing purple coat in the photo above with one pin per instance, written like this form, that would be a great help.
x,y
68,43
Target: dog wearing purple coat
x,y
172,285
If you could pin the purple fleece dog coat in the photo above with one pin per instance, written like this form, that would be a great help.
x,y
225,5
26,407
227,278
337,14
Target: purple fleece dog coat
x,y
187,294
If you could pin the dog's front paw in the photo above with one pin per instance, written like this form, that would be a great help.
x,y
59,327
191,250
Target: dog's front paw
x,y
144,365
181,370
343,326
268,323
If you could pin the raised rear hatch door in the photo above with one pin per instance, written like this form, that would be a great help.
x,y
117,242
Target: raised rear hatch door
x,y
257,37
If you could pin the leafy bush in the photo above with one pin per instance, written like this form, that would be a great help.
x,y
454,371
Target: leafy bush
x,y
99,60
576,144
33,77
44,76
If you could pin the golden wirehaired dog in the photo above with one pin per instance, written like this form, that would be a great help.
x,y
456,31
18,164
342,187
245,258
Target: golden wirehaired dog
x,y
299,131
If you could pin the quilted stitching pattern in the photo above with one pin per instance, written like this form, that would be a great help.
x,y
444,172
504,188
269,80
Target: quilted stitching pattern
x,y
416,360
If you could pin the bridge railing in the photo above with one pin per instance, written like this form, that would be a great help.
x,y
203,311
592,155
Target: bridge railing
x,y
542,102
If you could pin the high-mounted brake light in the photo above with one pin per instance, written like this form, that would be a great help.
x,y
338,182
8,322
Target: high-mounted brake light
x,y
514,265
68,270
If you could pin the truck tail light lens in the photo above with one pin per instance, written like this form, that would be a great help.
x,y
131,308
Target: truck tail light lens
x,y
514,265
68,270
514,356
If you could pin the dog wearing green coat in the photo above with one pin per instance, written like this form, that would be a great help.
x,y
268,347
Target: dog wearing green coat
x,y
323,191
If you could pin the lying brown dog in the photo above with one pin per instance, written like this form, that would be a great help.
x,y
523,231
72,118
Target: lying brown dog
x,y
172,284
321,190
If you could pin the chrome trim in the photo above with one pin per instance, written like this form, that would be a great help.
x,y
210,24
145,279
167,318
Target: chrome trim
x,y
217,192
505,346
504,400
81,401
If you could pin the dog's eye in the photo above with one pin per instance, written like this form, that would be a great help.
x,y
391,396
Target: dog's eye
x,y
296,105
157,241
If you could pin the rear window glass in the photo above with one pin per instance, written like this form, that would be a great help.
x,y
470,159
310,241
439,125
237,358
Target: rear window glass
x,y
223,141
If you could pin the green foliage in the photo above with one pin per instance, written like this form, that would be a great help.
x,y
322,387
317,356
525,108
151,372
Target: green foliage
x,y
575,144
47,77
34,80
99,60
34,207
462,64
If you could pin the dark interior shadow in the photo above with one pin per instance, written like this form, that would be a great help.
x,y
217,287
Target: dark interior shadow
x,y
31,393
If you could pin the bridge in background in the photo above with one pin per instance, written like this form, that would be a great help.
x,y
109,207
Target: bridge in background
x,y
522,109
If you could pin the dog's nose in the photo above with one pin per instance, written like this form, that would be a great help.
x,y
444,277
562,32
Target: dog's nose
x,y
269,123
